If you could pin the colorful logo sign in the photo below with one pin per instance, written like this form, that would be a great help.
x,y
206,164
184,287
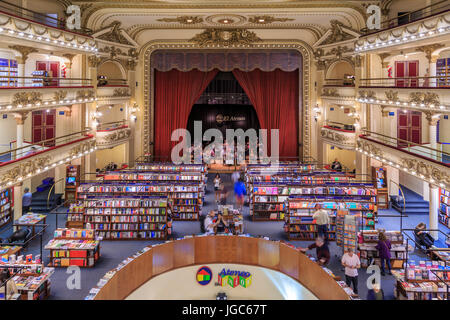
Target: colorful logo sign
x,y
234,278
204,276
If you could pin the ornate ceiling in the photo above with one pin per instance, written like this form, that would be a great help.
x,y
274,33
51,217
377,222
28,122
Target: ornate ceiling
x,y
138,17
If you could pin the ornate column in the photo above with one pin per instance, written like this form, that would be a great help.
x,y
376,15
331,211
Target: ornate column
x,y
384,117
434,207
384,64
361,159
432,122
20,121
432,70
24,52
428,50
321,147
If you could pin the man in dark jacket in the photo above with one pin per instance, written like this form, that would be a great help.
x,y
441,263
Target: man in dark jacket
x,y
322,251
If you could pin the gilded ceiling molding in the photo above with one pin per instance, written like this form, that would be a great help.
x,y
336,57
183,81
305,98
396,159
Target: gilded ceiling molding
x,y
304,85
24,52
225,37
338,34
115,34
429,49
266,19
183,19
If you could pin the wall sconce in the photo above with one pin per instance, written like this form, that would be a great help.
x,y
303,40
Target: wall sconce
x,y
133,110
317,112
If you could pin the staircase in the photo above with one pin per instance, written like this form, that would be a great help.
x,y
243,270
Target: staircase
x,y
414,203
39,201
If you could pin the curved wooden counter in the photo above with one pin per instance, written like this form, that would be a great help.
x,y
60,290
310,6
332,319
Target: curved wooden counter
x,y
221,249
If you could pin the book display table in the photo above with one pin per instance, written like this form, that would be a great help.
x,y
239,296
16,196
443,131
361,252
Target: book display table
x,y
30,220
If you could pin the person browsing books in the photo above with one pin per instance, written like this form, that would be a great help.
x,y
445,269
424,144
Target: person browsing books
x,y
322,221
240,192
221,224
217,181
351,263
384,252
376,293
8,289
322,251
27,198
336,165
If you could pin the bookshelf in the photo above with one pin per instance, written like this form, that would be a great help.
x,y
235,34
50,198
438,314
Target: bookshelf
x,y
444,207
443,72
73,175
75,215
369,253
166,167
185,198
8,69
125,217
421,281
5,207
300,209
73,247
379,174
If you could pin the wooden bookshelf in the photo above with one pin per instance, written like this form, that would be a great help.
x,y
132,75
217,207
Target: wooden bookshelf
x,y
6,207
73,176
379,174
125,217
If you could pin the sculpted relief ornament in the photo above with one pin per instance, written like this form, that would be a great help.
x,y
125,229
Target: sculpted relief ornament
x,y
427,98
370,148
25,98
225,37
337,137
24,168
113,137
427,170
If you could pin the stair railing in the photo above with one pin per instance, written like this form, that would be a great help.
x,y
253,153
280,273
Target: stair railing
x,y
402,213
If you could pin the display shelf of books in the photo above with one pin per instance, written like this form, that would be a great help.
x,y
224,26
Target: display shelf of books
x,y
351,229
8,69
443,72
73,247
444,207
5,207
427,280
368,252
31,278
166,167
75,215
379,174
125,217
184,198
73,175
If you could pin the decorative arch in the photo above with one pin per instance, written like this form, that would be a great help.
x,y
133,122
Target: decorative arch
x,y
304,85
334,62
118,63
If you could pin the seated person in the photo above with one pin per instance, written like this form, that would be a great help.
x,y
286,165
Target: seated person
x,y
221,224
209,224
422,236
322,251
336,165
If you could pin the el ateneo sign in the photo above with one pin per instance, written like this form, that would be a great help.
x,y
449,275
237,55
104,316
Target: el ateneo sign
x,y
226,277
220,118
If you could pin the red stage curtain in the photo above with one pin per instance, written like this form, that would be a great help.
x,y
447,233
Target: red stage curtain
x,y
175,94
274,95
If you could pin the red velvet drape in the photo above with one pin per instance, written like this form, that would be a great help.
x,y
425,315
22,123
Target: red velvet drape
x,y
175,94
274,96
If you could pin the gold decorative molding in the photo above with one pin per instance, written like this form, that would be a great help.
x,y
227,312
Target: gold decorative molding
x,y
25,98
391,95
384,111
131,64
94,61
429,49
69,56
341,140
432,117
225,38
426,98
113,138
383,56
85,94
330,92
24,52
320,65
112,50
338,51
24,168
369,147
115,34
367,94
266,19
59,95
337,33
83,147
427,170
183,19
121,92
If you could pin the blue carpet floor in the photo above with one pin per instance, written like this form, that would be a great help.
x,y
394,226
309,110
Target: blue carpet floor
x,y
113,252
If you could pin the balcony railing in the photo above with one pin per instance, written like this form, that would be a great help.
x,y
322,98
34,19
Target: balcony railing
x,y
408,82
32,149
420,150
111,126
42,82
339,126
38,17
350,82
428,11
111,82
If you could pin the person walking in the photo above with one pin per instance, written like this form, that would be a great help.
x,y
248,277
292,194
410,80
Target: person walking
x,y
235,176
240,192
351,263
384,252
322,221
27,198
217,181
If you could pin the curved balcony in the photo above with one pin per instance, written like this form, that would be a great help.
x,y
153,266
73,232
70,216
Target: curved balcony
x,y
33,159
339,91
112,134
20,94
34,28
421,160
419,27
339,135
